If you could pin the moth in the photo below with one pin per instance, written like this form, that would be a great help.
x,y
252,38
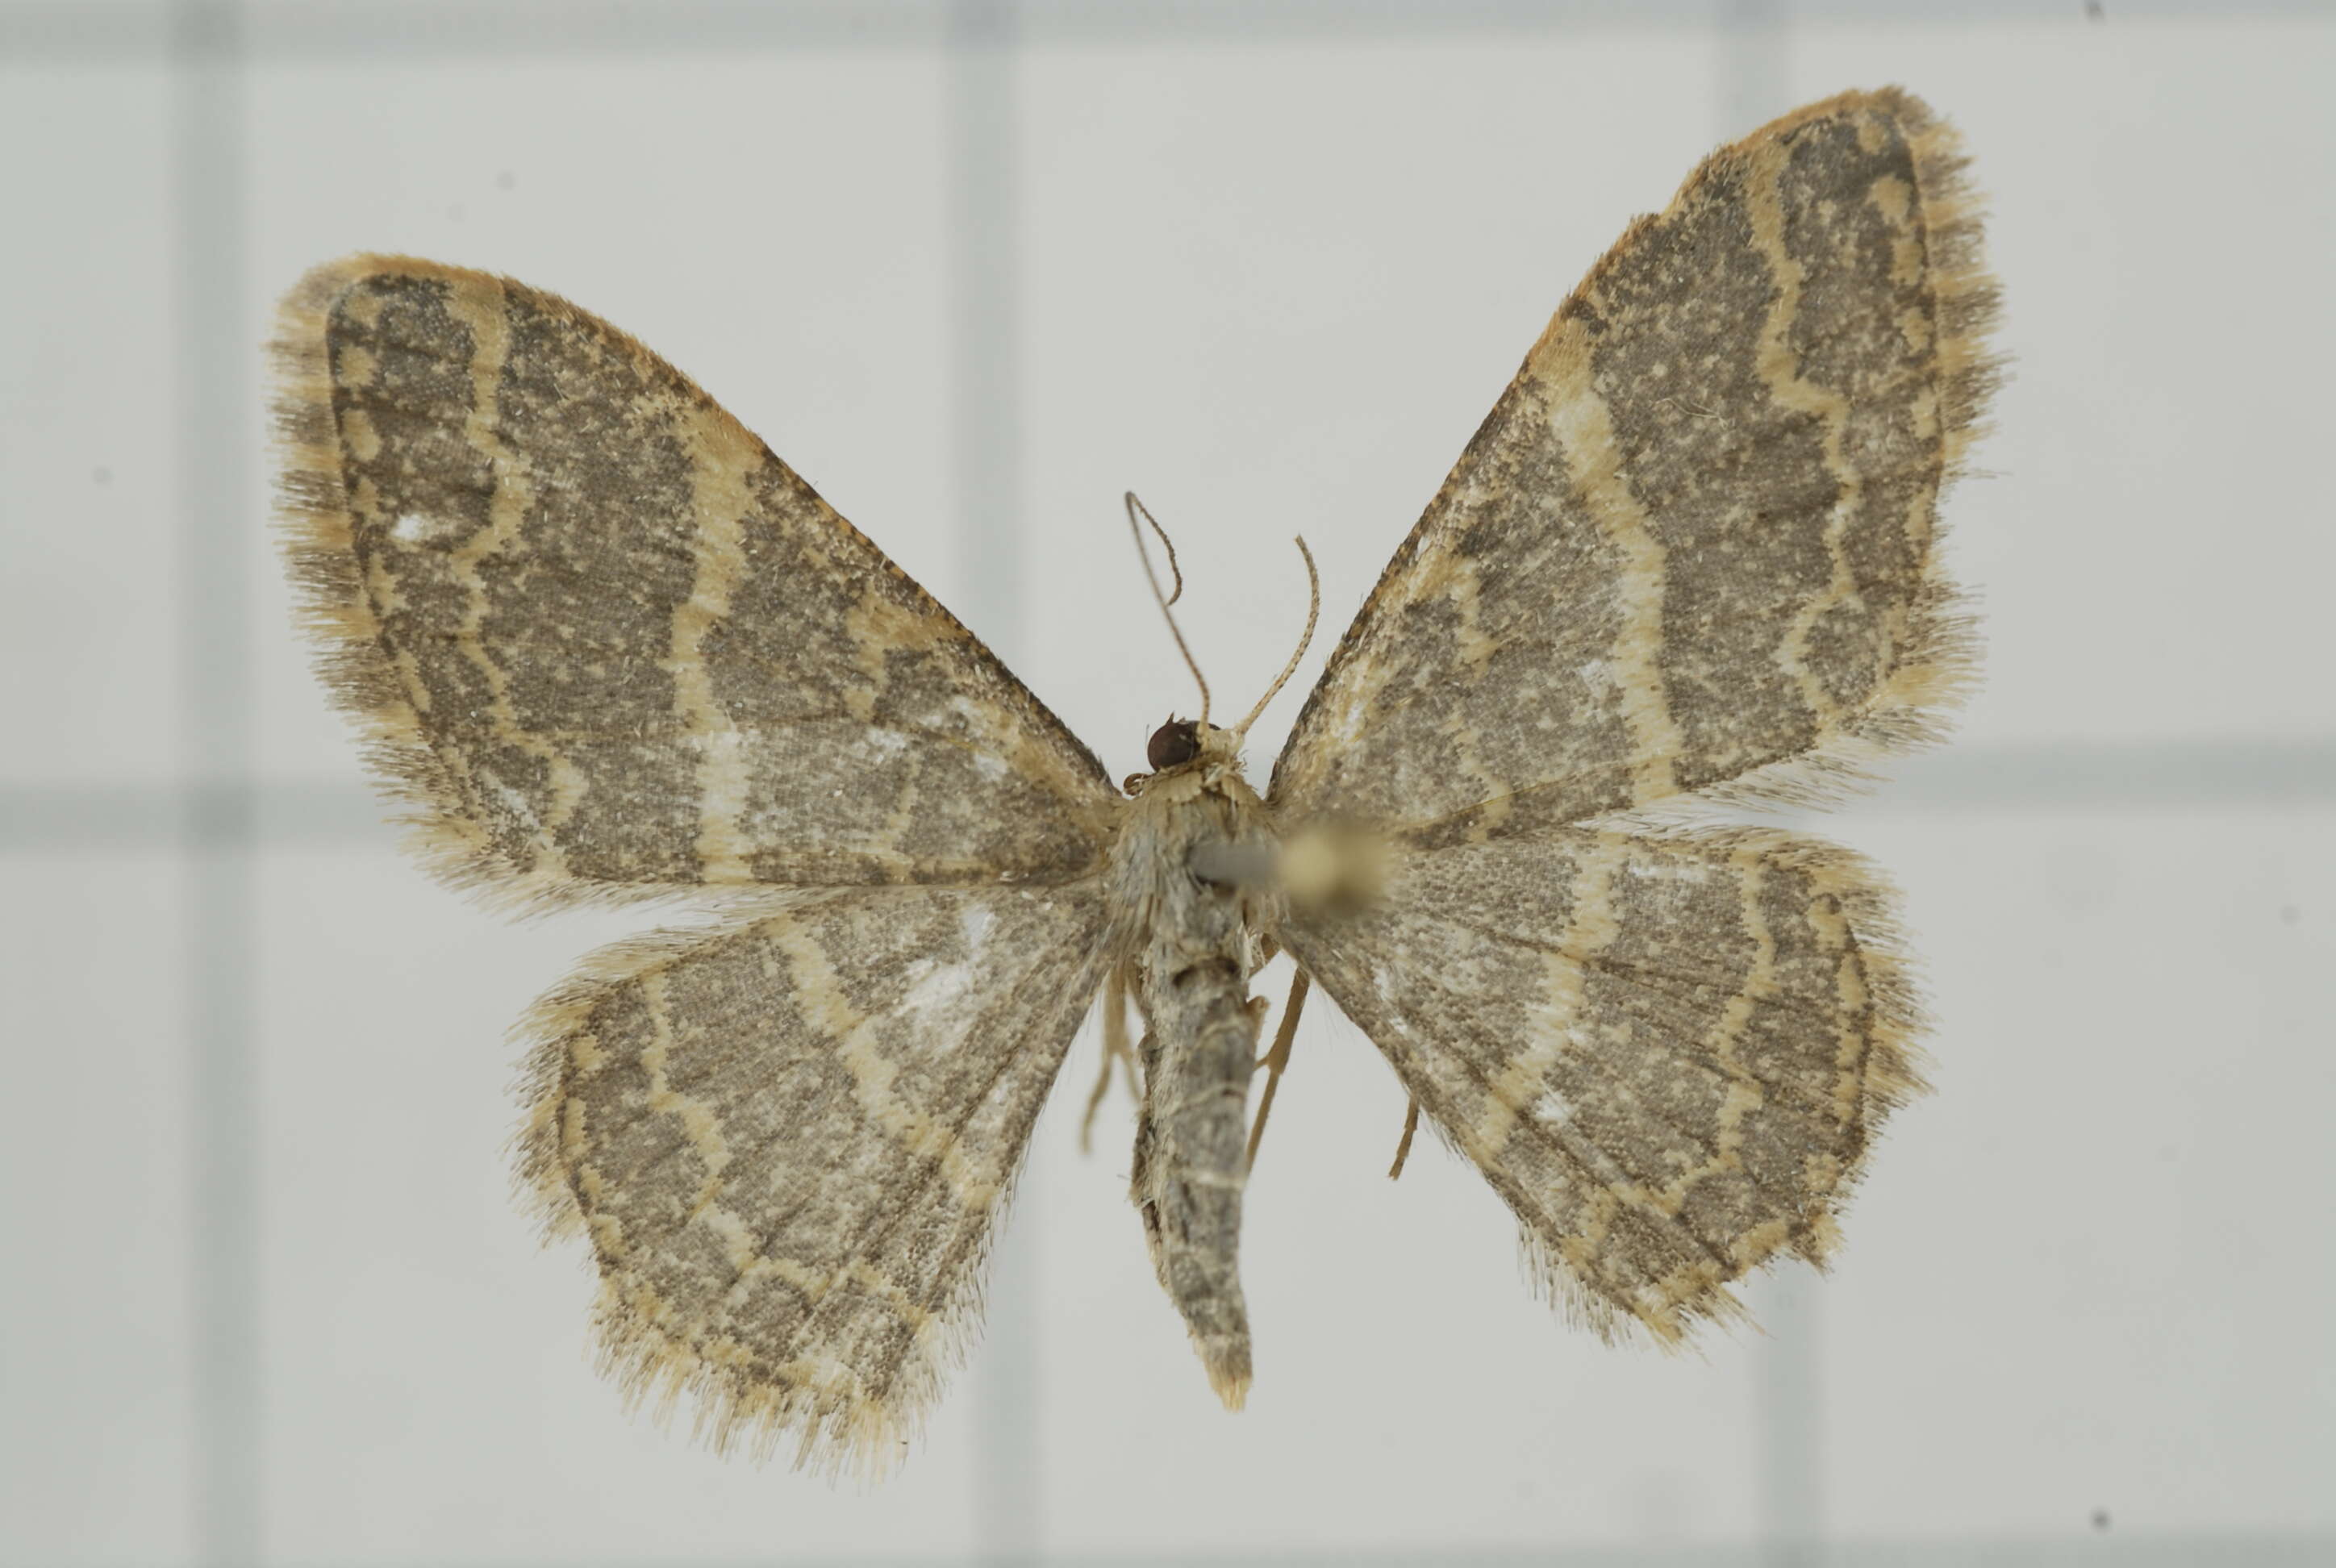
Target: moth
x,y
605,646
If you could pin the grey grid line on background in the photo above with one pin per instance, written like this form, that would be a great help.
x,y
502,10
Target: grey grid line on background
x,y
422,29
219,816
218,919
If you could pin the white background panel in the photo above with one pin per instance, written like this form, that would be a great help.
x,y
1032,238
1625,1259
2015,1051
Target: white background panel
x,y
88,450
2089,1273
1270,275
95,1361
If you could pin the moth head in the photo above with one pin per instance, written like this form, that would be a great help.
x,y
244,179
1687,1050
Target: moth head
x,y
1182,744
1173,743
1182,741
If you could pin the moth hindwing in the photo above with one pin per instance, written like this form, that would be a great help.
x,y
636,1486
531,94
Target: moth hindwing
x,y
603,646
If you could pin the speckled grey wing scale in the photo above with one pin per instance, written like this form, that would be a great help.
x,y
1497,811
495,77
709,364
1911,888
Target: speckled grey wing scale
x,y
605,646
1690,557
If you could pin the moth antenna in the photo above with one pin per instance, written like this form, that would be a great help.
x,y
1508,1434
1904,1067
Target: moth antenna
x,y
1137,509
1305,638
1175,572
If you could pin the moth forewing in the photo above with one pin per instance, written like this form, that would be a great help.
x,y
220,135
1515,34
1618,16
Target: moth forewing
x,y
605,645
1693,548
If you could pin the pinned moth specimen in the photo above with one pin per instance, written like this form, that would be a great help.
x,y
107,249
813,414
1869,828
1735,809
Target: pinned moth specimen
x,y
605,646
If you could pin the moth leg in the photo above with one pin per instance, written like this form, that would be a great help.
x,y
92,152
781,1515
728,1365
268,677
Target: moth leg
x,y
1115,1048
1402,1148
1276,1060
1128,1071
1095,1103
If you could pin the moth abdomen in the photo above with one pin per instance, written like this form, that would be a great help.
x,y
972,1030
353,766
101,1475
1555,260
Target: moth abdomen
x,y
1211,969
1195,940
1189,1181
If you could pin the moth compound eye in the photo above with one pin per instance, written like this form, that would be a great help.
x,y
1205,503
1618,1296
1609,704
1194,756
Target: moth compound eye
x,y
1172,743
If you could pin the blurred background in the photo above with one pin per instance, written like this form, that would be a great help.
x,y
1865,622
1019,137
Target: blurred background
x,y
974,269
